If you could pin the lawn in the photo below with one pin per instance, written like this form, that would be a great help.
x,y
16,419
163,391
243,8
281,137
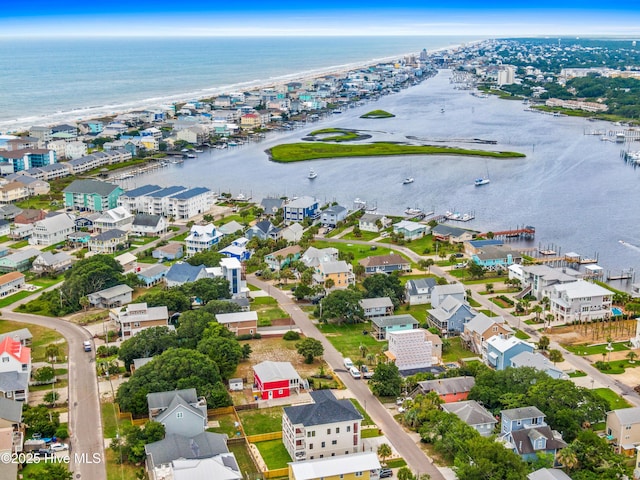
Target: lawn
x,y
19,244
110,421
614,400
245,462
358,251
377,114
366,236
124,471
348,338
584,349
367,419
455,352
274,454
419,312
42,337
227,425
6,301
268,310
616,367
521,335
264,420
46,282
370,433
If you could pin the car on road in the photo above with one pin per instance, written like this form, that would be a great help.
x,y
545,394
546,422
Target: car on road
x,y
458,255
86,345
348,363
385,473
355,373
366,373
58,447
460,265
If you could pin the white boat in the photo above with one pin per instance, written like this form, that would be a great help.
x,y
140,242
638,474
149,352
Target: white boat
x,y
481,181
412,211
312,174
407,180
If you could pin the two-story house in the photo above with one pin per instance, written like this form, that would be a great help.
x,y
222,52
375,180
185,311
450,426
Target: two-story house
x,y
111,297
202,238
410,230
52,230
332,215
418,292
300,209
474,415
281,258
108,241
538,280
500,351
623,428
135,317
264,230
181,412
275,380
49,262
10,283
15,369
380,326
118,217
498,257
327,427
440,292
580,301
525,431
240,323
450,316
336,274
481,328
376,307
371,222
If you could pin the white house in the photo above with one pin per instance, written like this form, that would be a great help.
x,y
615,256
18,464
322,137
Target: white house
x,y
410,230
118,217
10,283
135,317
580,301
418,292
202,238
52,230
372,222
15,369
410,349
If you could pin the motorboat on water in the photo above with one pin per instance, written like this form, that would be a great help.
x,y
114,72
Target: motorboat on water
x,y
481,181
412,211
312,174
407,180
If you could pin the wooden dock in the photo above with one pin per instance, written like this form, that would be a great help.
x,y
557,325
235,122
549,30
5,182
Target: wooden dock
x,y
528,232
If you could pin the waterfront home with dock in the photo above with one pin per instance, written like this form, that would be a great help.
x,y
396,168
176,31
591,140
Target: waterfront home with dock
x,y
580,301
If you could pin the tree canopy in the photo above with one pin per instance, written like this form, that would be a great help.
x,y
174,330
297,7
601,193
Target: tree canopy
x,y
383,285
342,306
147,343
310,348
386,380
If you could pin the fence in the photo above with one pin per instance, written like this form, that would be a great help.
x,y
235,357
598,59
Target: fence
x,y
263,437
278,472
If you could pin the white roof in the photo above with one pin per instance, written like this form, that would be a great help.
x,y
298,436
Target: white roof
x,y
334,466
126,258
230,262
204,469
410,226
269,371
627,416
339,266
504,344
582,288
236,317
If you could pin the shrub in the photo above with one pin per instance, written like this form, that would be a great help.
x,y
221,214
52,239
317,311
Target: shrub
x,y
62,432
291,335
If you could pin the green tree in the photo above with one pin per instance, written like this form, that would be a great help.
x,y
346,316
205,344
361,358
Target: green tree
x,y
147,343
426,264
50,471
342,306
310,348
384,452
386,380
555,356
383,285
191,327
51,398
544,342
173,298
221,306
208,258
41,419
44,374
475,270
246,351
225,352
406,474
130,448
52,352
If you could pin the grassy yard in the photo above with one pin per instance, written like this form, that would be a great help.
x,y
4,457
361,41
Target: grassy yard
x,y
576,374
110,422
617,367
348,338
245,462
20,244
268,310
124,471
46,282
419,312
274,454
615,401
584,349
42,337
264,420
6,301
456,351
521,335
370,433
367,419
358,251
227,425
367,236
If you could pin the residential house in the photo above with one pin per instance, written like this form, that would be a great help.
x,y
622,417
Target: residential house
x,y
29,216
109,241
454,389
12,432
282,258
111,297
500,351
275,380
525,431
5,228
539,362
446,233
52,230
113,218
264,230
385,264
78,239
181,412
237,249
410,350
410,230
18,261
13,192
11,283
481,328
376,307
450,316
135,317
439,293
175,450
52,263
9,212
201,238
181,272
299,209
359,466
332,215
474,415
418,292
92,195
223,466
22,335
338,274
230,228
548,474
472,247
580,301
152,275
312,257
15,369
382,325
623,429
324,428
292,233
372,222
271,205
170,251
128,261
498,257
21,232
26,158
239,323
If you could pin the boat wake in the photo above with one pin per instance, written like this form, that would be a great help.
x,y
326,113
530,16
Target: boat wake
x,y
629,245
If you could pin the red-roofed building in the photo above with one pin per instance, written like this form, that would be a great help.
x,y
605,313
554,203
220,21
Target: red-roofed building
x,y
15,369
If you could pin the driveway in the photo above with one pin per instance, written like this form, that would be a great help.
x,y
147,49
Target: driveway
x,y
399,439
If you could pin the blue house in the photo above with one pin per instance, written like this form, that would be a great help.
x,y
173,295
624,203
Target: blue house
x,y
500,351
153,275
332,215
450,316
525,431
393,323
181,273
496,257
300,209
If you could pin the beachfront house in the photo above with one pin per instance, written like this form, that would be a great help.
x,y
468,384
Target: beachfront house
x,y
332,215
446,233
92,195
538,280
496,257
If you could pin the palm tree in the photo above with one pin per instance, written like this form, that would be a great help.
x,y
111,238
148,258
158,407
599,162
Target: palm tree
x,y
632,356
370,358
363,350
555,356
537,310
567,457
384,451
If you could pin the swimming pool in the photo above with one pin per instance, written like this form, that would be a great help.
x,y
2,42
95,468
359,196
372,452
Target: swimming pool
x,y
615,311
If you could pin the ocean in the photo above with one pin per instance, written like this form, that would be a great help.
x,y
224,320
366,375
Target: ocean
x,y
57,80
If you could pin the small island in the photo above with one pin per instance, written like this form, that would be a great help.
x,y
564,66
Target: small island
x,y
377,114
297,152
335,135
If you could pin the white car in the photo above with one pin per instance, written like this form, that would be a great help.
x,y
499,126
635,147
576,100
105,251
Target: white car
x,y
59,447
348,363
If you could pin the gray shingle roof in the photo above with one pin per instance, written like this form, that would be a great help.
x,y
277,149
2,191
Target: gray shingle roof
x,y
146,220
183,272
91,187
11,410
325,409
164,399
20,335
405,319
12,381
419,284
445,386
470,412
109,235
522,413
173,447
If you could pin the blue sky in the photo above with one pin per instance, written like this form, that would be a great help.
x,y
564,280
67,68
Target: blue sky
x,y
326,17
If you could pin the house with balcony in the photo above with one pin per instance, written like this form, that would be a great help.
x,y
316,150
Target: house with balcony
x,y
498,257
500,351
381,326
231,270
275,380
15,369
332,215
135,317
623,430
52,230
474,415
440,293
239,323
539,280
325,428
282,258
91,195
481,328
51,263
118,217
376,307
447,233
264,230
108,241
359,466
18,261
454,389
10,283
385,264
201,238
418,292
111,297
170,251
299,209
181,412
450,316
146,225
410,230
338,274
580,301
525,431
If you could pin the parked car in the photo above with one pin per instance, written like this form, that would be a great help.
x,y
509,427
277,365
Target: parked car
x,y
87,345
355,373
385,473
458,255
59,447
460,265
348,363
366,373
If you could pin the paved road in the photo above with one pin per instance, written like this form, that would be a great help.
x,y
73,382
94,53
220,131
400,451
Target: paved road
x,y
85,426
403,443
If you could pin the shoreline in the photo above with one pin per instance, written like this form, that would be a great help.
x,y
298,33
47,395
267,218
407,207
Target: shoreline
x,y
85,114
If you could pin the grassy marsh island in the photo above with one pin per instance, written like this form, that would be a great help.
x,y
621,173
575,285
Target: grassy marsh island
x,y
377,114
335,135
297,152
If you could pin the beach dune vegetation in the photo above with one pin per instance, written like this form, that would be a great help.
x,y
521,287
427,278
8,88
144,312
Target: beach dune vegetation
x,y
377,114
297,152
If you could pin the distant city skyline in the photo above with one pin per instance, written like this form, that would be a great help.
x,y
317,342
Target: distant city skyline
x,y
252,18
